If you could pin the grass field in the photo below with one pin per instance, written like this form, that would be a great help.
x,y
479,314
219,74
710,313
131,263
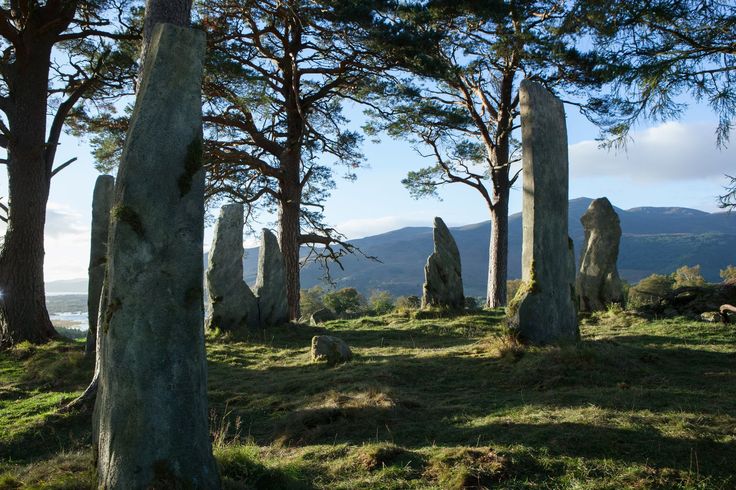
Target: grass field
x,y
444,403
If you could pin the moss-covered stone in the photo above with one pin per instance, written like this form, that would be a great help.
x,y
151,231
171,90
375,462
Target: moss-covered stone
x,y
127,215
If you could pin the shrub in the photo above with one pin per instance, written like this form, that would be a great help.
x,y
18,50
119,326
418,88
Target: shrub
x,y
688,276
345,300
311,300
472,303
408,302
381,302
650,290
729,275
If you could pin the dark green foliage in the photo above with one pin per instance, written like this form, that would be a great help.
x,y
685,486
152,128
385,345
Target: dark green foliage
x,y
650,290
663,49
345,300
311,300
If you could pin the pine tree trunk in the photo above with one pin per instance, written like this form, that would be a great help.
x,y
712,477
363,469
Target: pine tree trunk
x,y
289,232
498,254
23,314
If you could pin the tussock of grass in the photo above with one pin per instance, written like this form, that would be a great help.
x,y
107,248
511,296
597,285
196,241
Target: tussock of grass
x,y
434,403
243,467
468,468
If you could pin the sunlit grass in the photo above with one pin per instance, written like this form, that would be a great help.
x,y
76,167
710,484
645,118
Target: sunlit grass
x,y
433,403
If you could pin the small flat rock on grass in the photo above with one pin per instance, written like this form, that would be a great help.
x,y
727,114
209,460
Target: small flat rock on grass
x,y
331,349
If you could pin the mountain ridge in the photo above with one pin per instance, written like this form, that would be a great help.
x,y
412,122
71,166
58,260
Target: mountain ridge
x,y
655,240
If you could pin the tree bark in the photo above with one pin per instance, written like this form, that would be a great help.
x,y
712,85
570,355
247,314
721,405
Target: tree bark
x,y
498,254
23,314
177,12
289,233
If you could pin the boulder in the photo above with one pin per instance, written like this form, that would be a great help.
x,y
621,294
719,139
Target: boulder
x,y
270,286
598,284
711,316
443,282
321,316
331,349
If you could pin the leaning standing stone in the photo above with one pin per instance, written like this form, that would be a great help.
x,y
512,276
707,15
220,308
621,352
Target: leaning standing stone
x,y
232,305
543,310
271,282
101,204
443,282
151,411
598,283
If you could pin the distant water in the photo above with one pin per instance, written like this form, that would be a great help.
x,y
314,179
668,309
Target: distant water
x,y
78,317
68,307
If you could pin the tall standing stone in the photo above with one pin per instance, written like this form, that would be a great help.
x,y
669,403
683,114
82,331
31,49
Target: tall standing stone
x,y
232,305
271,282
544,309
102,198
151,411
598,283
443,282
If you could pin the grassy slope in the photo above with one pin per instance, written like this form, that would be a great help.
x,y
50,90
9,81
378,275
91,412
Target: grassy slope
x,y
435,403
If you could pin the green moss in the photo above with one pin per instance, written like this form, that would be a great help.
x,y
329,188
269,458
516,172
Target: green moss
x,y
192,165
126,214
110,310
525,288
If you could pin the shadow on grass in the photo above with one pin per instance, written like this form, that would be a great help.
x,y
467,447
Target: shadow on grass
x,y
459,398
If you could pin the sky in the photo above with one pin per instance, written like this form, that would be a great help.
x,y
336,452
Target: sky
x,y
664,164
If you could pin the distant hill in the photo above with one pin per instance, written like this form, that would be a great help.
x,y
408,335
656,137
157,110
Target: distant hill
x,y
77,286
655,240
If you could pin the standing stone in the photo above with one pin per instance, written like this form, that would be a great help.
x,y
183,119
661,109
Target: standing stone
x,y
101,204
598,284
544,310
151,427
271,282
443,282
233,306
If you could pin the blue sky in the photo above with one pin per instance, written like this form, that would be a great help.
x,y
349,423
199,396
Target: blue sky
x,y
665,164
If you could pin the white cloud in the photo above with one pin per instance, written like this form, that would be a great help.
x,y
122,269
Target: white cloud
x,y
67,243
671,151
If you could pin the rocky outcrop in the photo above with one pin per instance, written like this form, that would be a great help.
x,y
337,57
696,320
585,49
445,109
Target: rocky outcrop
x,y
544,310
598,284
232,305
270,286
443,282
